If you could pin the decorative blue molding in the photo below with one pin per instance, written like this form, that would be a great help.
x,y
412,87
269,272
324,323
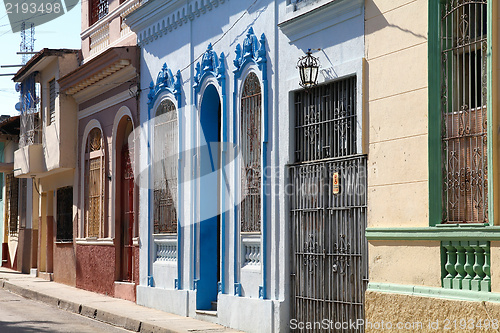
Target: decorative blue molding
x,y
253,52
151,281
195,284
219,287
237,289
212,66
165,82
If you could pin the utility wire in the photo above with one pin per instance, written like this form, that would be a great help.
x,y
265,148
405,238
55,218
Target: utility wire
x,y
224,34
186,67
198,57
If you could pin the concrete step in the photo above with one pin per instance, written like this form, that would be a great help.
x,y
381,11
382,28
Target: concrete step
x,y
207,315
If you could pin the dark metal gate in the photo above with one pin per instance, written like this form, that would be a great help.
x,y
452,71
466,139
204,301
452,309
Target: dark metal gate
x,y
328,212
127,213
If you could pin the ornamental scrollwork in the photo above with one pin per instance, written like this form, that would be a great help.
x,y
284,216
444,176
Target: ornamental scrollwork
x,y
252,49
210,64
164,81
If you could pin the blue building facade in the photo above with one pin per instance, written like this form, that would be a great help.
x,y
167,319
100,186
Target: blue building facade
x,y
217,136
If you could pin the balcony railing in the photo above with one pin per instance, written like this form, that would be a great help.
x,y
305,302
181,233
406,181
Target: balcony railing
x,y
30,128
99,33
99,39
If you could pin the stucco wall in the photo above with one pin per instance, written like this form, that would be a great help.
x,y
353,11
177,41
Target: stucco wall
x,y
419,312
24,250
55,181
105,118
58,153
404,262
495,265
95,268
396,104
136,265
65,263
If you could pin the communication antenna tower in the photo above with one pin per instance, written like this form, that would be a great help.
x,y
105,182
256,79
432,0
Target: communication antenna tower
x,y
27,46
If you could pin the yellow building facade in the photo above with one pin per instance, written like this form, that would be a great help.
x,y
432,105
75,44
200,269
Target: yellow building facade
x,y
431,101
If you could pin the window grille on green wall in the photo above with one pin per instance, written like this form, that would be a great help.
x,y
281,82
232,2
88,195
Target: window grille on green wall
x,y
463,111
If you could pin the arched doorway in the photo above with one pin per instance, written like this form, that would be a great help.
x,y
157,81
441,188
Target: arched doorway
x,y
125,203
209,199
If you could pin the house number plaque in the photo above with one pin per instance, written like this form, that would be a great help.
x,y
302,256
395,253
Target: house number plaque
x,y
336,186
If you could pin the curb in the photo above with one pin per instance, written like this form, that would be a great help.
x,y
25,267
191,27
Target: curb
x,y
84,310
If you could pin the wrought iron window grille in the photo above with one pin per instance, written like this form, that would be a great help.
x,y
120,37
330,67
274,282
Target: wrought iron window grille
x,y
464,115
12,190
52,101
165,168
29,132
325,121
98,9
250,143
64,217
94,185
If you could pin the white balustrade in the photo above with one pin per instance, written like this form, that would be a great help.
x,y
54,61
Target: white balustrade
x,y
251,250
99,39
166,248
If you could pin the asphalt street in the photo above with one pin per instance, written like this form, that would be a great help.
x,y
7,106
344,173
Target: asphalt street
x,y
21,315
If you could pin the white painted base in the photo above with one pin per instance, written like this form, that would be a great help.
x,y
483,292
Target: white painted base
x,y
252,314
172,301
164,275
251,279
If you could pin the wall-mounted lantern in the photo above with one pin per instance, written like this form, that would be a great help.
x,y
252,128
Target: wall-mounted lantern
x,y
308,66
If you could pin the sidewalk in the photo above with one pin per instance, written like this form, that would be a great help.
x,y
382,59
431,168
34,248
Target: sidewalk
x,y
107,309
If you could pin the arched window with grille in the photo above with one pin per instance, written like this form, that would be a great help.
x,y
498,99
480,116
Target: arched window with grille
x,y
251,148
94,185
165,168
464,115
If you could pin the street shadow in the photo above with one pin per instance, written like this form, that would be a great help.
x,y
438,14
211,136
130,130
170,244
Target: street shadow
x,y
383,23
10,272
378,22
26,326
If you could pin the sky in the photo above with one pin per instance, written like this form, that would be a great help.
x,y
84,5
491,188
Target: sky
x,y
62,32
